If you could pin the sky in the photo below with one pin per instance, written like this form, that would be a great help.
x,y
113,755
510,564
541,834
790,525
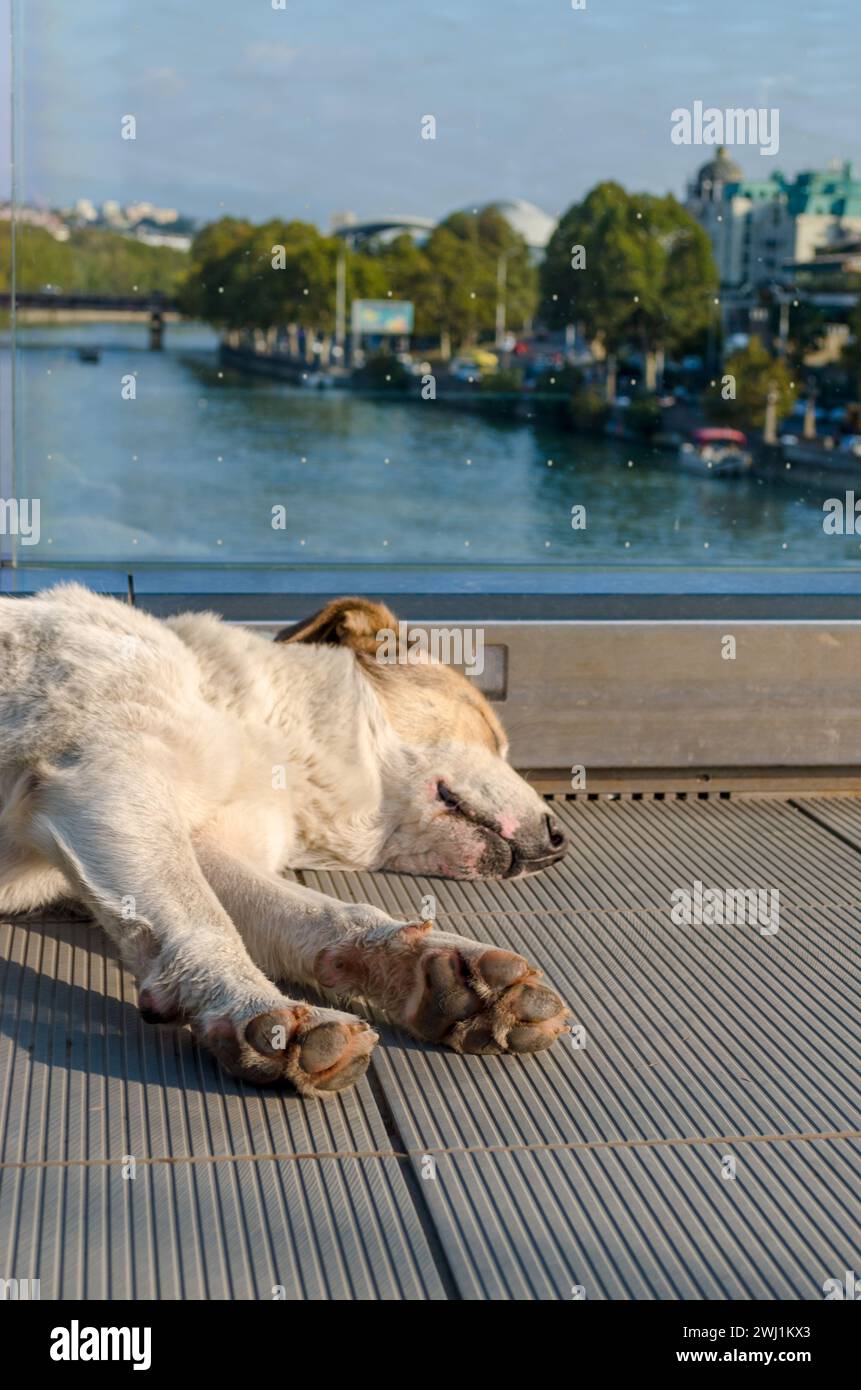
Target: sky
x,y
316,108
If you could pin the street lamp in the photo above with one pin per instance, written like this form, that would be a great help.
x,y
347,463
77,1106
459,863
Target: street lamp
x,y
341,300
501,279
784,299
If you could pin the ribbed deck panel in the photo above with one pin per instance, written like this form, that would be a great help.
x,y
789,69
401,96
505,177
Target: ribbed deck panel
x,y
445,1176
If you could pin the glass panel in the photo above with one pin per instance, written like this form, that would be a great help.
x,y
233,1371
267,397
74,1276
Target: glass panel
x,y
542,412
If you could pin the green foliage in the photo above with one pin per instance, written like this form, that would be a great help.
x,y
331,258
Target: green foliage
x,y
756,373
649,276
404,273
850,358
561,381
644,415
383,372
807,327
506,379
278,273
92,261
210,250
459,294
588,408
452,281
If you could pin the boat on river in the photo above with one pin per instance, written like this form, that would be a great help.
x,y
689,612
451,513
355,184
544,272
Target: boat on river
x,y
716,452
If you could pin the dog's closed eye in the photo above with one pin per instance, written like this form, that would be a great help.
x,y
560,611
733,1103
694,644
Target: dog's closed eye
x,y
446,795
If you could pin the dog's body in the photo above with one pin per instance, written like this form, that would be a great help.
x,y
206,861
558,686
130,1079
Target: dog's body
x,y
165,773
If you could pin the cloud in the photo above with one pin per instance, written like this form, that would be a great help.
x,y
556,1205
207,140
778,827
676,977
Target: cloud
x,y
162,82
263,58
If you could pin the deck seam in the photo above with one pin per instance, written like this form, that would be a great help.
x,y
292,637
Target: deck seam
x,y
641,910
422,1210
832,830
453,1150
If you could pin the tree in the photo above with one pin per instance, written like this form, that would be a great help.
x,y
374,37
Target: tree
x,y
458,298
275,275
755,374
92,261
206,274
634,269
405,273
851,355
521,274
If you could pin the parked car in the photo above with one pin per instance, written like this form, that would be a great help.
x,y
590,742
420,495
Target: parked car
x,y
464,369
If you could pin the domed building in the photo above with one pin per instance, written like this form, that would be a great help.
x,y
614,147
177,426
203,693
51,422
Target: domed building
x,y
535,226
712,178
718,197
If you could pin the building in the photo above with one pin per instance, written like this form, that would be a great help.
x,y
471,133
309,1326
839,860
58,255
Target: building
x,y
22,214
148,212
760,229
836,261
85,209
534,225
384,228
112,214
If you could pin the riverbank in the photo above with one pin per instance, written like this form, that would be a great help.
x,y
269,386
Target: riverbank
x,y
645,422
661,428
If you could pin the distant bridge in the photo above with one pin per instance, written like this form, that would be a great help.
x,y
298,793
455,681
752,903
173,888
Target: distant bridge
x,y
58,299
44,304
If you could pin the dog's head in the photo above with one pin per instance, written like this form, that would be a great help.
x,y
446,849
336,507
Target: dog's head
x,y
454,806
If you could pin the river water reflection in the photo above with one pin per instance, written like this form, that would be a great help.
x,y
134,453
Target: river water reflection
x,y
197,466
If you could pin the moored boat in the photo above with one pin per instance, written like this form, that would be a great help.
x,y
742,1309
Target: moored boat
x,y
716,452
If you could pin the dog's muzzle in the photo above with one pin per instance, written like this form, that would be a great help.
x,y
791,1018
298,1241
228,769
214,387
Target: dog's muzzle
x,y
538,852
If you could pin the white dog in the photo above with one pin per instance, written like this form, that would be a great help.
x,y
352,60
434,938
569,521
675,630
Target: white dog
x,y
165,773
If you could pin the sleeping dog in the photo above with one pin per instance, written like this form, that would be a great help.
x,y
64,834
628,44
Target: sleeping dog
x,y
165,774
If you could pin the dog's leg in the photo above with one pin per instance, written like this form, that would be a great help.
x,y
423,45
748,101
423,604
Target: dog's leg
x,y
114,831
442,988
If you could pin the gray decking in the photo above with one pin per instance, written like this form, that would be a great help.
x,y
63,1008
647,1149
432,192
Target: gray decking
x,y
599,1167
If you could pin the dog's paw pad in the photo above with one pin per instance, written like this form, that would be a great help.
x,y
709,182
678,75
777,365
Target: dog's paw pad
x,y
335,1055
516,1013
447,989
315,1050
501,968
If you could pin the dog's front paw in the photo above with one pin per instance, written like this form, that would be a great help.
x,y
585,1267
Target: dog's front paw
x,y
317,1050
448,989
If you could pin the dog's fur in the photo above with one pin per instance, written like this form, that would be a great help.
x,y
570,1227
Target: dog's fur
x,y
166,773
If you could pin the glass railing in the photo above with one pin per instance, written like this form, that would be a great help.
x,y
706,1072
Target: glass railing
x,y
174,458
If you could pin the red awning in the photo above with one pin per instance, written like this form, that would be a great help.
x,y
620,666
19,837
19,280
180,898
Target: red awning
x,y
719,436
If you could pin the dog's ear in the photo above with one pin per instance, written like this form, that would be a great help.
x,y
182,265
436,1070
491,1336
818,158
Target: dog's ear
x,y
345,622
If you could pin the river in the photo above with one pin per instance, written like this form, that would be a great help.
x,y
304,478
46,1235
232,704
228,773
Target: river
x,y
195,468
